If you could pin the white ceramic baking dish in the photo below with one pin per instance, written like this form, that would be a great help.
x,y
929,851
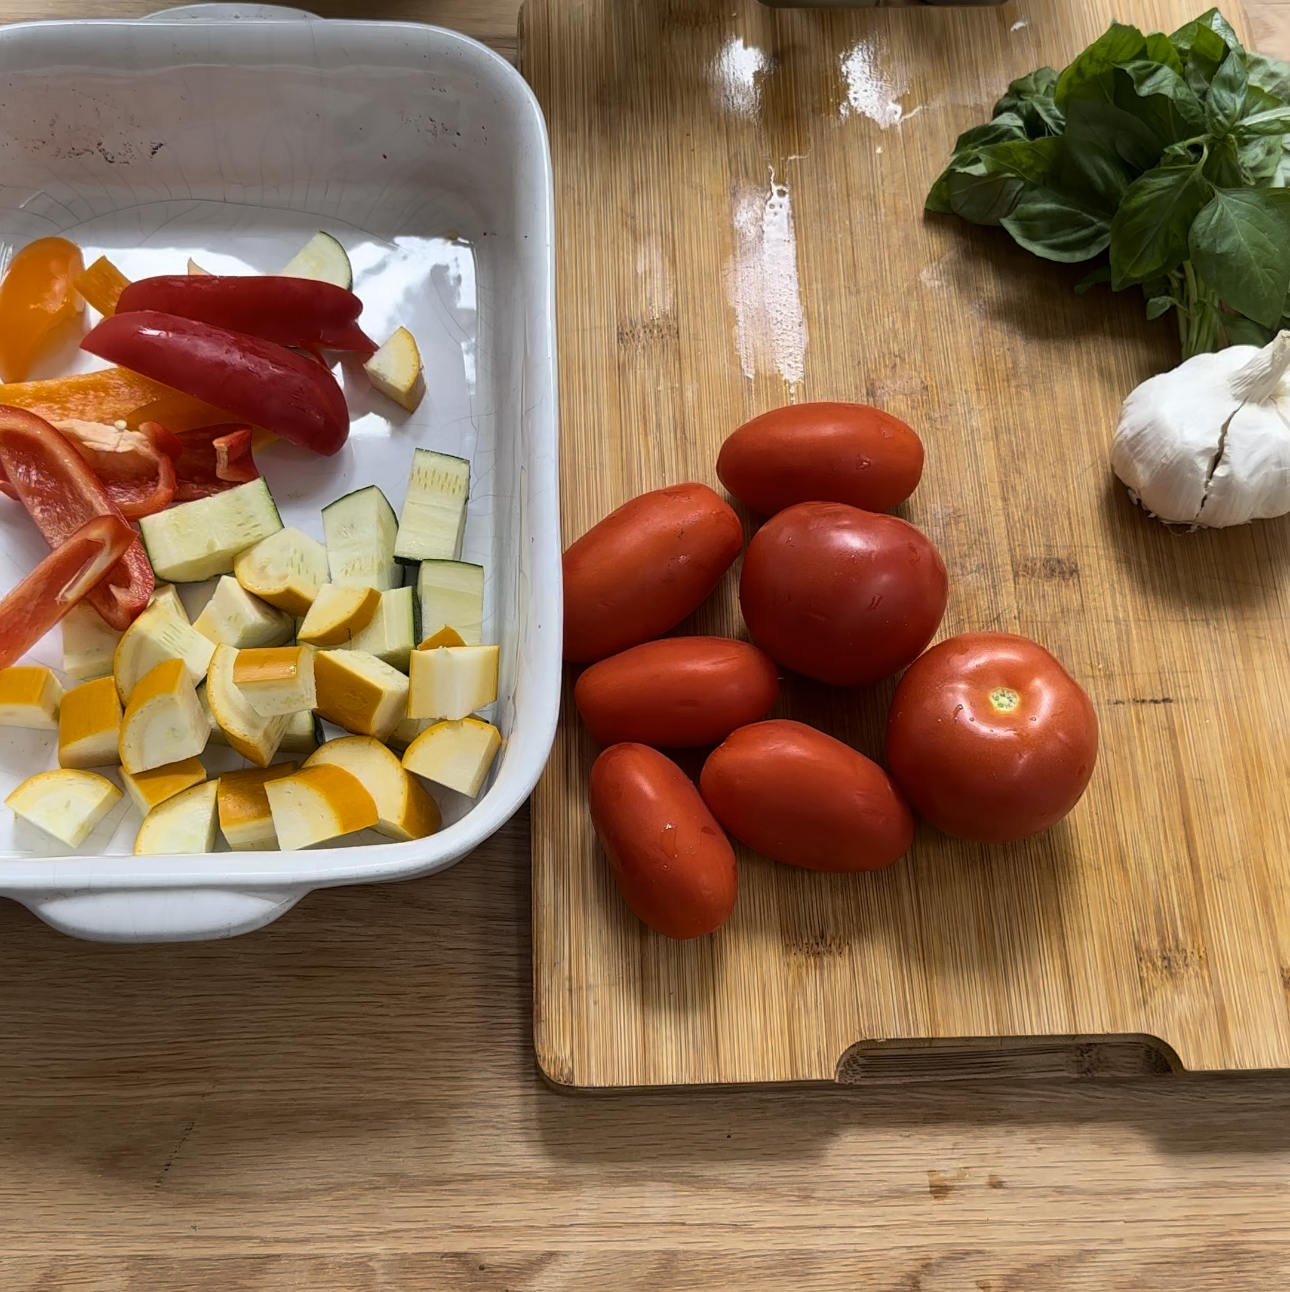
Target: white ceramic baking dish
x,y
230,133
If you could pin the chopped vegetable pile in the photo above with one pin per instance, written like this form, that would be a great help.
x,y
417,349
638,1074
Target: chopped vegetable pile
x,y
281,637
1166,158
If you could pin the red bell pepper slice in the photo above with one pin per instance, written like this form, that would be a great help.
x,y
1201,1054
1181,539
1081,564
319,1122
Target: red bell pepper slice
x,y
291,311
137,468
57,487
62,579
259,380
214,458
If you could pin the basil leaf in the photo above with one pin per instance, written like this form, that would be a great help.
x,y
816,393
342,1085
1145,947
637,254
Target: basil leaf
x,y
1243,331
1056,227
1031,99
1226,100
1259,158
1281,176
938,199
1274,122
983,198
1002,128
1029,159
1240,245
1206,56
1098,176
1222,166
1119,44
1166,103
1199,30
1270,75
1160,49
1113,129
1149,231
1158,305
1102,274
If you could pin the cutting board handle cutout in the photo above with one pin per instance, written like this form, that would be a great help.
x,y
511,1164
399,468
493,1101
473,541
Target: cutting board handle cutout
x,y
1077,1058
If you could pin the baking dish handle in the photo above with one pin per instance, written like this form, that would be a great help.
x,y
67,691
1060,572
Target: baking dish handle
x,y
162,915
230,13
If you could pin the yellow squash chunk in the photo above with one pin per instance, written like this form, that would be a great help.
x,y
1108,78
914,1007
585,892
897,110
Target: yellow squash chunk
x,y
148,789
166,594
405,810
395,370
29,697
359,692
452,681
164,720
317,804
88,643
276,680
286,570
407,731
233,617
252,735
455,754
390,634
446,636
89,725
338,612
244,816
184,823
158,635
217,736
66,804
303,734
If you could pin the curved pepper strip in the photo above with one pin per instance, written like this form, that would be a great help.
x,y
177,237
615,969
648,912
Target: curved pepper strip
x,y
37,297
214,458
61,493
61,580
298,312
111,395
259,380
136,468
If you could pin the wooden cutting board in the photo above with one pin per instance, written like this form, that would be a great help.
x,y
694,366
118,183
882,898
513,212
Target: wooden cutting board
x,y
739,192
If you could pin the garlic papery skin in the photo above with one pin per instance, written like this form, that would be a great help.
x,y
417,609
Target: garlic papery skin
x,y
1209,442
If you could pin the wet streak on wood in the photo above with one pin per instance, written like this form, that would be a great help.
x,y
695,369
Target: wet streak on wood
x,y
1160,911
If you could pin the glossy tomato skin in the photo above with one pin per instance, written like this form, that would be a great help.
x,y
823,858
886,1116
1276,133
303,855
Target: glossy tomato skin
x,y
798,796
671,860
678,693
822,452
990,738
640,571
844,596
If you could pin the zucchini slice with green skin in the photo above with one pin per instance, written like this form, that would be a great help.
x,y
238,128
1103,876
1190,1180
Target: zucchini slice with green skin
x,y
198,540
434,510
451,594
323,259
360,530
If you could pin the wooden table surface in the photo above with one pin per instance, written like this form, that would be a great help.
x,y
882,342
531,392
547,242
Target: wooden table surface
x,y
347,1102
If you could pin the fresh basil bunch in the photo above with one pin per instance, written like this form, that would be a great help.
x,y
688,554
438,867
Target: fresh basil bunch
x,y
1169,153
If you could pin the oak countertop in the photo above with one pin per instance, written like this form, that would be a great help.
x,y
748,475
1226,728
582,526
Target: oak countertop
x,y
347,1102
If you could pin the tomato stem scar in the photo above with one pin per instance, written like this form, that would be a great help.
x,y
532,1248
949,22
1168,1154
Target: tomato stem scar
x,y
1004,699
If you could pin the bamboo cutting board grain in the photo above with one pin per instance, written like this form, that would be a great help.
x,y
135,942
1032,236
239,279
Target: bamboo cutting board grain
x,y
739,195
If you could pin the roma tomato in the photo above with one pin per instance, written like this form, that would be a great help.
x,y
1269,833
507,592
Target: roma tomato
x,y
845,596
822,452
677,693
800,797
643,568
672,861
991,738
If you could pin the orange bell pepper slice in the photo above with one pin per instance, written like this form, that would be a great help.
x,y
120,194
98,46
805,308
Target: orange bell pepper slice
x,y
111,395
101,285
37,297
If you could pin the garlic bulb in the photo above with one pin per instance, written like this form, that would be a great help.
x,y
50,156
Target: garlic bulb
x,y
1209,443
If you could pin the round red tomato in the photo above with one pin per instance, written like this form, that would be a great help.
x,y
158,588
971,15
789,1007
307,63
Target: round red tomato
x,y
822,452
990,738
796,795
845,596
678,693
640,571
671,860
